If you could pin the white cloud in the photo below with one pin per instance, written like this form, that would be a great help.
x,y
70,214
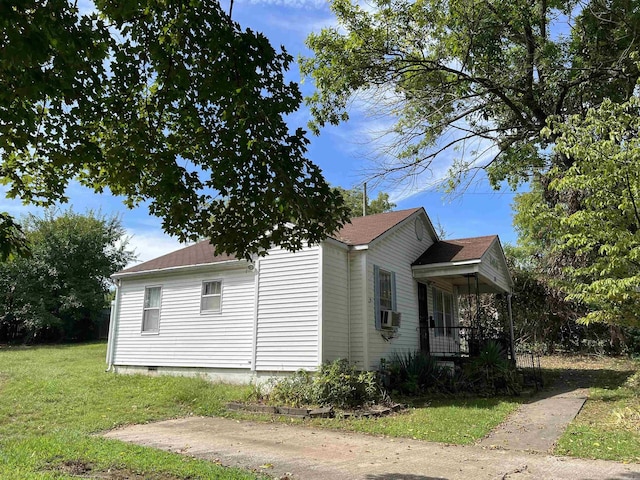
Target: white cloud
x,y
150,244
371,134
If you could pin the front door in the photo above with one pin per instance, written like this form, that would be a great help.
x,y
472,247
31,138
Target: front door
x,y
423,316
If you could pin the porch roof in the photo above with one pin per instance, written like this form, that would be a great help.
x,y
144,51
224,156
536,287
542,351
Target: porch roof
x,y
461,261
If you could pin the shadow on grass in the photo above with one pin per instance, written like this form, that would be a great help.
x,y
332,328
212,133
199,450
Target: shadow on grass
x,y
462,401
559,381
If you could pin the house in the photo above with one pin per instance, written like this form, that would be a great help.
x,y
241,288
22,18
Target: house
x,y
382,284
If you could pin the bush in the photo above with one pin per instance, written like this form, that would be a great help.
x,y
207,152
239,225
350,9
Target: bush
x,y
491,373
341,385
336,384
294,391
412,373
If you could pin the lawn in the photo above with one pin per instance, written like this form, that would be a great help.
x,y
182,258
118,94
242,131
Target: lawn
x,y
54,398
608,427
461,421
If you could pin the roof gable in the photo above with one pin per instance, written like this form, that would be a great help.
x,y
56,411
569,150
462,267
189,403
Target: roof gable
x,y
459,250
364,230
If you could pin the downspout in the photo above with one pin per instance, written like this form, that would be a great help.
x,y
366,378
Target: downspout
x,y
512,346
321,353
365,311
256,306
478,323
349,306
113,320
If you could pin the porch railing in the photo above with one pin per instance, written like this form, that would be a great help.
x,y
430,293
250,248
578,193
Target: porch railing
x,y
459,341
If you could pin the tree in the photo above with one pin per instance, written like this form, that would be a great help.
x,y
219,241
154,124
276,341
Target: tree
x,y
166,102
58,293
353,200
12,238
543,318
591,212
490,74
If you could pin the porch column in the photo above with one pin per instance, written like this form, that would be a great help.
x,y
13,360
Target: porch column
x,y
512,345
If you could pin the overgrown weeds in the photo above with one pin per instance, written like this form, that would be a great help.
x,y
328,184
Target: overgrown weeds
x,y
489,374
336,384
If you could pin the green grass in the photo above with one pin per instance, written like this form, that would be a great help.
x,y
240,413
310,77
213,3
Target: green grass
x,y
52,399
458,421
608,427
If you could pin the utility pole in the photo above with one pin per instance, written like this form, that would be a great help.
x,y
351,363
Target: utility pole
x,y
364,200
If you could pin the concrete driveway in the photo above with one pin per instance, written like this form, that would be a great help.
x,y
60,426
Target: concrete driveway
x,y
297,452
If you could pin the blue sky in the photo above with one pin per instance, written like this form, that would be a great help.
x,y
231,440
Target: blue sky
x,y
344,153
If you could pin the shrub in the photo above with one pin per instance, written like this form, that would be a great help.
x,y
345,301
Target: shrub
x,y
337,384
294,391
340,384
491,373
413,373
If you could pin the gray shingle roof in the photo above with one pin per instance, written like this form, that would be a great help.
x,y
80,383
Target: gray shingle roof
x,y
361,231
459,250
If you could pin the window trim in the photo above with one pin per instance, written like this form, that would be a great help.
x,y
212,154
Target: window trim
x,y
202,296
145,309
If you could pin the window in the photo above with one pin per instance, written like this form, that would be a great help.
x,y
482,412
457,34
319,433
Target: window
x,y
151,315
386,295
443,312
211,296
384,292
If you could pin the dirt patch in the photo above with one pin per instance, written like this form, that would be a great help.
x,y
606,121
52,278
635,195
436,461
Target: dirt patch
x,y
79,469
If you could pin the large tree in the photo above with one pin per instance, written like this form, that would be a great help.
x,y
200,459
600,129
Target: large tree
x,y
58,293
588,215
169,102
477,80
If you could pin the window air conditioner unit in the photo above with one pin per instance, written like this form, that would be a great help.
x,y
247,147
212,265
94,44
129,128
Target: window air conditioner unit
x,y
389,319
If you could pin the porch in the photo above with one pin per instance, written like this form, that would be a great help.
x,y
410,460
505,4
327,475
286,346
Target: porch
x,y
450,323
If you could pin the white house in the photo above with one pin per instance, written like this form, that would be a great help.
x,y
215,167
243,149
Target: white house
x,y
382,284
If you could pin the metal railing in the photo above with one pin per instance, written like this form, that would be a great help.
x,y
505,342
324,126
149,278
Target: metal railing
x,y
528,364
459,341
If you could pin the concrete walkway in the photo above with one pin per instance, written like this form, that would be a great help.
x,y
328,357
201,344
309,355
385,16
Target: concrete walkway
x,y
297,452
537,425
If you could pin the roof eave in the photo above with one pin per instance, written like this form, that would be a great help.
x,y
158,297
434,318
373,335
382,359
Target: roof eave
x,y
224,265
433,266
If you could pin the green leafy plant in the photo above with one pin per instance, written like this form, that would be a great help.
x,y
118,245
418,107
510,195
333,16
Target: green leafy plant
x,y
338,384
414,372
341,385
491,373
294,390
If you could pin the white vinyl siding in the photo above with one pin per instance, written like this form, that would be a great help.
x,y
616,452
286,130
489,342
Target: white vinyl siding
x,y
358,307
335,299
494,267
395,253
186,338
288,310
